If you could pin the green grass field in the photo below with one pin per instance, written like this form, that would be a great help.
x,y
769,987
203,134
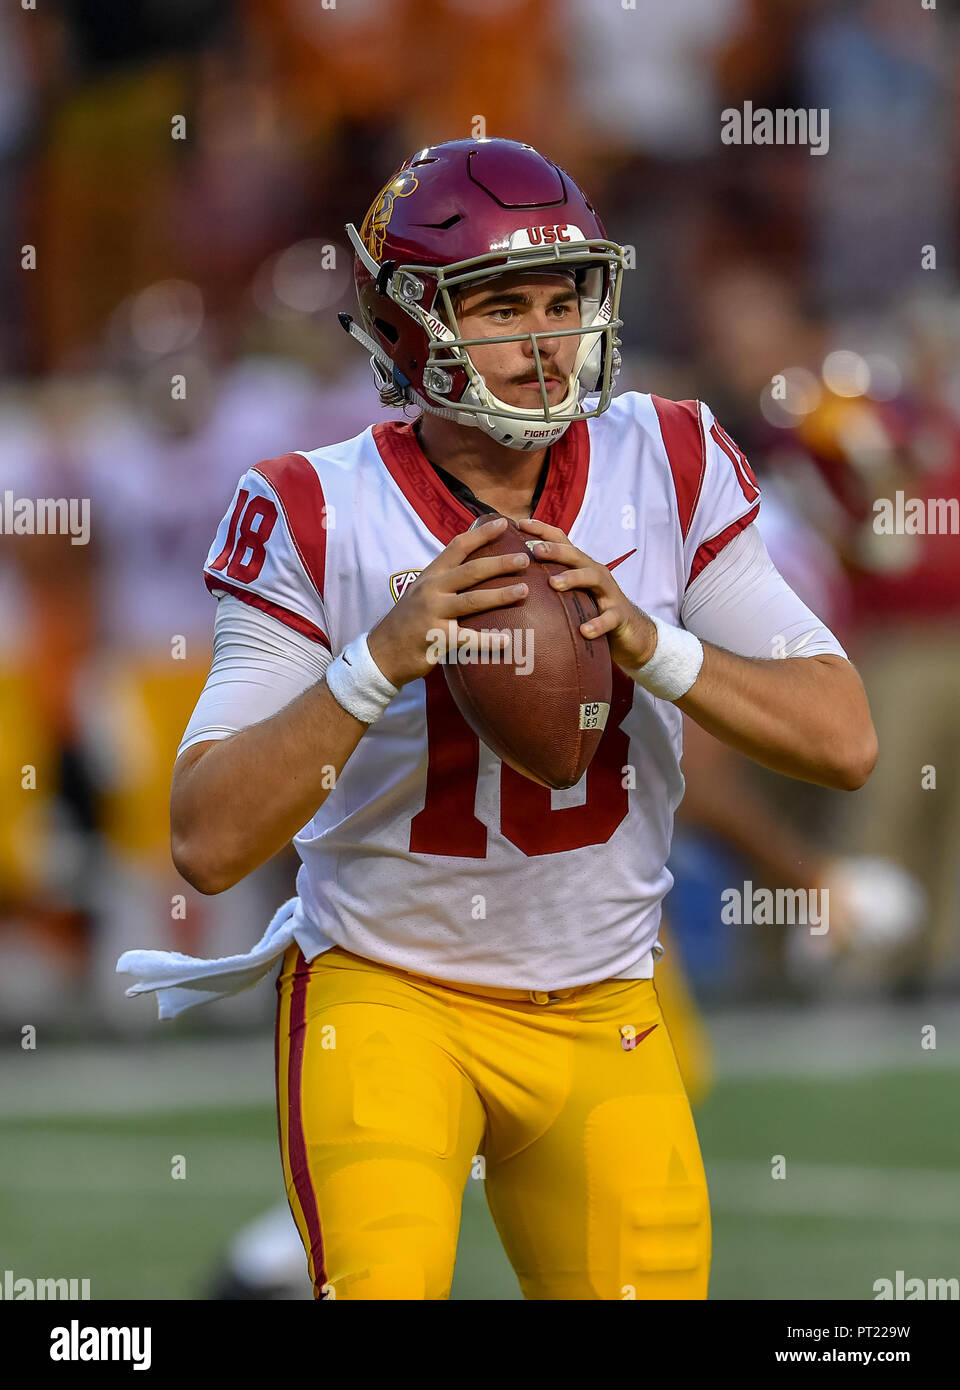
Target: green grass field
x,y
871,1140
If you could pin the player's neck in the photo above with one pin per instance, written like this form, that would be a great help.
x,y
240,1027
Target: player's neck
x,y
504,478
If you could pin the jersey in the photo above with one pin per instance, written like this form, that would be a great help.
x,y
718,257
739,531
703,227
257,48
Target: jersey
x,y
429,854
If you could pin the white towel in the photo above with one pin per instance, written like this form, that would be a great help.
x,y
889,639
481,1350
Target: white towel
x,y
180,981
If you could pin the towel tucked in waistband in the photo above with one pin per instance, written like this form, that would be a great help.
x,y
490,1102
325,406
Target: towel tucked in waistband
x,y
180,982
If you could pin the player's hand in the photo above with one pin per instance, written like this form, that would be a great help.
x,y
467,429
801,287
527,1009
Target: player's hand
x,y
632,636
404,643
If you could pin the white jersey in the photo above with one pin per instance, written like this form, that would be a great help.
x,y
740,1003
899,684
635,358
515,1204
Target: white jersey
x,y
429,854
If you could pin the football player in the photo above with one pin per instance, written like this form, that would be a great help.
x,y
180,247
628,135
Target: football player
x,y
467,983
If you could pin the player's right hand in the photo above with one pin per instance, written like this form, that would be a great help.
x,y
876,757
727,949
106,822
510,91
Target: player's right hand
x,y
404,643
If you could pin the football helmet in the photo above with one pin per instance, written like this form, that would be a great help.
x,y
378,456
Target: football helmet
x,y
456,214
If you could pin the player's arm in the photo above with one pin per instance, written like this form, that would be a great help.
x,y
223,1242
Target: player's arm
x,y
236,801
806,716
775,683
238,798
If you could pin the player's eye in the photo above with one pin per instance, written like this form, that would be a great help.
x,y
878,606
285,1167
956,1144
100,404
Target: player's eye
x,y
502,315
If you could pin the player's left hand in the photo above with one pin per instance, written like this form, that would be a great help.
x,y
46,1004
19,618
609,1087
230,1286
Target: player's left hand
x,y
632,636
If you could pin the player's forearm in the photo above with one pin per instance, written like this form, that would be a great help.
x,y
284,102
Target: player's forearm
x,y
246,796
806,717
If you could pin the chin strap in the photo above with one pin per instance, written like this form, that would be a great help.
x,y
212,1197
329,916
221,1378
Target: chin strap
x,y
391,381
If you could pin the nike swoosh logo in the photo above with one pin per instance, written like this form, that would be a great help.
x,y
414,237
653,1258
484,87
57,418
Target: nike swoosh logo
x,y
628,1044
613,563
800,645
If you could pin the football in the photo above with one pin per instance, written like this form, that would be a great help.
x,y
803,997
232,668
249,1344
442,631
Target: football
x,y
540,705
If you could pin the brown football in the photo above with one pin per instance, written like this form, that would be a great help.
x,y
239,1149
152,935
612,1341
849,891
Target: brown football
x,y
542,707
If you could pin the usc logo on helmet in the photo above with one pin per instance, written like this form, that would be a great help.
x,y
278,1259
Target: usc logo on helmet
x,y
377,220
546,236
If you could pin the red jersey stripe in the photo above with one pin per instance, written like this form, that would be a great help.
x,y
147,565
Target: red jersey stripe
x,y
712,548
300,493
745,474
682,429
283,615
296,1141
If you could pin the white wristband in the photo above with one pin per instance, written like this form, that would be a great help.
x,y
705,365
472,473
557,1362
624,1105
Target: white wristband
x,y
675,664
357,683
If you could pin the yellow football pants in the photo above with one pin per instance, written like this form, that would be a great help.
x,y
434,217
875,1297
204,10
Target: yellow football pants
x,y
393,1090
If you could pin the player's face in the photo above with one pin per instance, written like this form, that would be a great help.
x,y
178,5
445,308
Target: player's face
x,y
522,303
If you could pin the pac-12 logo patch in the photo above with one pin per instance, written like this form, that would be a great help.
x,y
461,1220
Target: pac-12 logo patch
x,y
400,583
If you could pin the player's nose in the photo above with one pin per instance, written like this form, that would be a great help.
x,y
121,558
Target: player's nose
x,y
547,344
538,322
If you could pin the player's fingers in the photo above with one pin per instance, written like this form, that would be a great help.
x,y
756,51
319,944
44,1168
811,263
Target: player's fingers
x,y
475,571
449,637
468,541
479,600
602,624
484,640
440,640
591,577
541,529
558,553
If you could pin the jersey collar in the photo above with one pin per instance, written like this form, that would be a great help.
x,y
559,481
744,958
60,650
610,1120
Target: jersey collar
x,y
446,516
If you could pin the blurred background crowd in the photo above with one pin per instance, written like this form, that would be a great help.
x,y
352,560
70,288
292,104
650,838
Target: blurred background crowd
x,y
221,257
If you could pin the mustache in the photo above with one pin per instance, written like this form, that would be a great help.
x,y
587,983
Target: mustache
x,y
548,371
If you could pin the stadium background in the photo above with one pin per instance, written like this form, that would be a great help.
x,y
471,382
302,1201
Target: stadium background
x,y
221,257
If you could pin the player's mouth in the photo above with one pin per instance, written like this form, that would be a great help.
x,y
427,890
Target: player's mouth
x,y
533,384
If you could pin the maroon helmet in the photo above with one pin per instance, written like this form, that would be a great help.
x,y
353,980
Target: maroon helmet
x,y
453,215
